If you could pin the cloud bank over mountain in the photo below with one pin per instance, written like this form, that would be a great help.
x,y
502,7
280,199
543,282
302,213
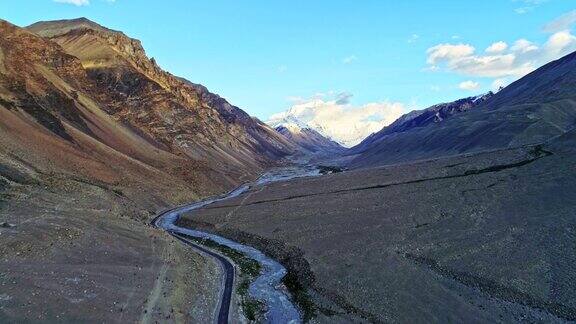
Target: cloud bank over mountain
x,y
333,116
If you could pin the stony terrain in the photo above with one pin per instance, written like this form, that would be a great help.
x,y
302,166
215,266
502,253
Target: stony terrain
x,y
460,213
76,252
487,237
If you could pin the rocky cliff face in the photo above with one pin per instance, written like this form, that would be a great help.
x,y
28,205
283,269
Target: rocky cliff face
x,y
85,101
181,115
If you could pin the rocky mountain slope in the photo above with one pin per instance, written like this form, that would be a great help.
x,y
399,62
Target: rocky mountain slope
x,y
307,139
482,237
175,114
422,118
96,139
537,107
84,165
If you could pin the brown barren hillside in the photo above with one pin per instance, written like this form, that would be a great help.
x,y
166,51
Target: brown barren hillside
x,y
107,112
174,111
90,151
484,238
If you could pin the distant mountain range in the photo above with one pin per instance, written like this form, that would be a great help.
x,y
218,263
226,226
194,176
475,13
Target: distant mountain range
x,y
539,106
308,139
422,118
332,119
305,137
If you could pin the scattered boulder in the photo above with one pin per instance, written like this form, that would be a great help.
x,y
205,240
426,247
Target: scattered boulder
x,y
6,225
328,169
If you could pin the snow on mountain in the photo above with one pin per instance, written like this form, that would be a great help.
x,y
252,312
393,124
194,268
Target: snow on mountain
x,y
304,136
337,120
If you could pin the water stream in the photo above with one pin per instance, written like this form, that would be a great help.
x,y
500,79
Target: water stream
x,y
265,288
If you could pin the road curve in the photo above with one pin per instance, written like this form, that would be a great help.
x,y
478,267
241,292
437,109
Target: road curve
x,y
265,287
228,268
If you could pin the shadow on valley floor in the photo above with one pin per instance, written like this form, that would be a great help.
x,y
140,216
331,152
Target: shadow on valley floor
x,y
481,237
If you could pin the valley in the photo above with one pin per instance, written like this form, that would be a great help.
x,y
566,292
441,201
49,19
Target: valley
x,y
129,194
263,285
454,235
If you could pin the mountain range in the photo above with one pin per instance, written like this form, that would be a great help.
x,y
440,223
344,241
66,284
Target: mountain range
x,y
96,140
336,119
92,104
462,212
535,108
306,137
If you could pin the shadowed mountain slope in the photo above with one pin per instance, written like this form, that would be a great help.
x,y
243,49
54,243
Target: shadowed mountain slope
x,y
422,118
482,237
537,107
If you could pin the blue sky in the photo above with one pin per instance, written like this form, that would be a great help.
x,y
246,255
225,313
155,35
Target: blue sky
x,y
266,56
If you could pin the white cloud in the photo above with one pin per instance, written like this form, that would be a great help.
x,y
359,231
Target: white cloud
x,y
523,46
413,38
491,65
337,119
443,52
469,85
349,59
562,23
497,47
282,68
500,60
528,5
523,10
559,44
434,88
75,2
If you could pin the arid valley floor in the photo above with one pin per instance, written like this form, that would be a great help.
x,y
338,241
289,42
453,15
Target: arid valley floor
x,y
469,235
129,194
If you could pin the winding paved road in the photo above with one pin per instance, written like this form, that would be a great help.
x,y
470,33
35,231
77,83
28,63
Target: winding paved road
x,y
226,297
227,267
265,286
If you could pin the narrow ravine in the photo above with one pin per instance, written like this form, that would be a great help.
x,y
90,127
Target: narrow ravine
x,y
265,288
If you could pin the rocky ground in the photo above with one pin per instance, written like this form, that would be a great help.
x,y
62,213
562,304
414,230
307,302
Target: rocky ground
x,y
75,252
488,237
